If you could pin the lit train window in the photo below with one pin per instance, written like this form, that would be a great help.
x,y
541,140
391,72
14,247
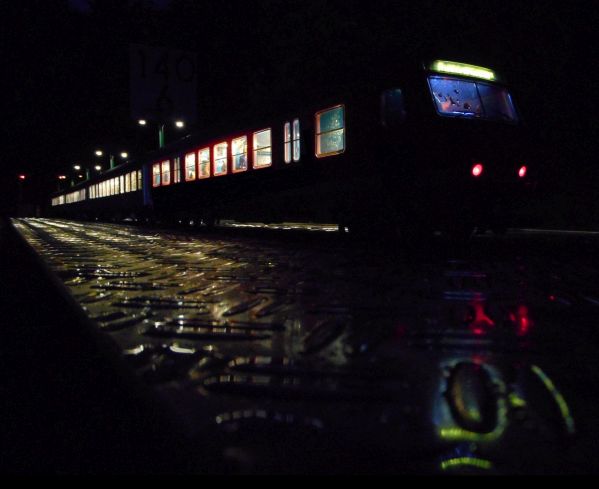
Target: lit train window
x,y
471,99
190,167
262,148
133,177
296,140
116,185
204,163
156,175
177,170
122,178
166,172
239,152
330,131
220,158
287,138
128,182
139,180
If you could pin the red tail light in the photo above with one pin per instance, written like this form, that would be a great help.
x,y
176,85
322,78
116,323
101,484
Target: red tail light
x,y
522,171
477,170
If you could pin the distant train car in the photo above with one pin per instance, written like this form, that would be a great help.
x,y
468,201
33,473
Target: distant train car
x,y
442,147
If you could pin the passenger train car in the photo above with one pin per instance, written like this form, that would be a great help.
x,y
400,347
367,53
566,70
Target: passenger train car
x,y
436,148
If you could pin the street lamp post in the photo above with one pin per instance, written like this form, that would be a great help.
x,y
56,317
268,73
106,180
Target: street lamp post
x,y
161,130
123,154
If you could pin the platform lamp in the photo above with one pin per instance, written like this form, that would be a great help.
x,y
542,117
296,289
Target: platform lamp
x,y
123,154
179,124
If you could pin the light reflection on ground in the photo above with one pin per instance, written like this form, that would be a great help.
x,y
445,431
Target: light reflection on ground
x,y
347,340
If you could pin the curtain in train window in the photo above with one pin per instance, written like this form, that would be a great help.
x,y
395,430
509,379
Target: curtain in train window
x,y
262,148
190,167
220,158
204,163
330,131
239,152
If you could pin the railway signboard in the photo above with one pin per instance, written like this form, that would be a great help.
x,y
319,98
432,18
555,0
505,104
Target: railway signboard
x,y
163,83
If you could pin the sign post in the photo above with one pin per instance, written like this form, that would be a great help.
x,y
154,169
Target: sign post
x,y
163,85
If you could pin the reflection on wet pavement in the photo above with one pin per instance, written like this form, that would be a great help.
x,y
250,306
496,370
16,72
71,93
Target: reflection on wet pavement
x,y
427,365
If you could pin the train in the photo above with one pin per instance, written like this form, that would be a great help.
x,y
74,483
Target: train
x,y
438,146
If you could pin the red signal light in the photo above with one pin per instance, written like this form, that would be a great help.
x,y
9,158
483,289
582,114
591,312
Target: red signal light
x,y
522,171
477,170
22,177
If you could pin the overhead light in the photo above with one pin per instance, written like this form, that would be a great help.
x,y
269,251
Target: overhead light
x,y
62,177
179,124
99,152
77,167
98,167
124,154
142,122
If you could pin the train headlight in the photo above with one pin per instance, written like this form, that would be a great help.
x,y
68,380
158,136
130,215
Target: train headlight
x,y
477,170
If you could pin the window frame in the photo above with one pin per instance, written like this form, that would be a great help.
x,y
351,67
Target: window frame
x,y
320,134
156,183
199,162
176,170
233,155
226,158
255,149
168,165
191,154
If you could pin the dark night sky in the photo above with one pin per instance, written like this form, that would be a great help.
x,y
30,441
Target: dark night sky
x,y
67,68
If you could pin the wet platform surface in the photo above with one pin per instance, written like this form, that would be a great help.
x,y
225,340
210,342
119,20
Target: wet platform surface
x,y
315,355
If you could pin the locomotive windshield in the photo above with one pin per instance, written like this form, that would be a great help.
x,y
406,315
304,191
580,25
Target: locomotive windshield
x,y
471,99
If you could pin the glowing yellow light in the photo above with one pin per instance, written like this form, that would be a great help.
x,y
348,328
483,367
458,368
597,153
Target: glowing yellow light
x,y
559,399
466,461
179,124
142,122
98,167
124,154
77,167
463,69
99,153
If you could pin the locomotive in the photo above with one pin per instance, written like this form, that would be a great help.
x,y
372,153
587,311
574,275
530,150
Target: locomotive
x,y
442,147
